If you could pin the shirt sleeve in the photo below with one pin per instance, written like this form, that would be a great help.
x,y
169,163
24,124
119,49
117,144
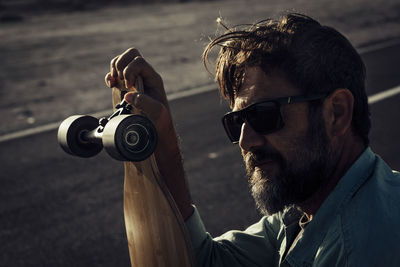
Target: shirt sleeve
x,y
256,246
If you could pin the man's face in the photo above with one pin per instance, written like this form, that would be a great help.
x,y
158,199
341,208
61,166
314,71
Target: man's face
x,y
287,166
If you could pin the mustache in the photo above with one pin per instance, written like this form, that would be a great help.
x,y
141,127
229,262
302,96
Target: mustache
x,y
258,156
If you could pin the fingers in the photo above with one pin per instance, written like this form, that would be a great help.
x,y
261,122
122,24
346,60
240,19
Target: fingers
x,y
113,69
124,70
129,65
139,67
110,80
119,63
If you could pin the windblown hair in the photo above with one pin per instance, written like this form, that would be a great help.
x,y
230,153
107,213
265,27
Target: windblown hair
x,y
313,58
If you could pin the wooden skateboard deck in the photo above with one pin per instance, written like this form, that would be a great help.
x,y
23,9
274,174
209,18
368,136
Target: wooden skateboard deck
x,y
155,229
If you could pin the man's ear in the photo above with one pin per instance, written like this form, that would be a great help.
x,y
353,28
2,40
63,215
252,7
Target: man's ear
x,y
338,112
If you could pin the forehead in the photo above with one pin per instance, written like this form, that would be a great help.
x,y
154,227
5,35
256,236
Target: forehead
x,y
257,86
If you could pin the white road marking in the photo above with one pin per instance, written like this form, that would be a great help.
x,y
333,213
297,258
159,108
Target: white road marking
x,y
382,95
191,92
198,90
213,155
31,131
52,126
104,113
378,46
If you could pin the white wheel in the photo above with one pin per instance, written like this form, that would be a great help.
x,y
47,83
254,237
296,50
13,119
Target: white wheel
x,y
130,137
70,135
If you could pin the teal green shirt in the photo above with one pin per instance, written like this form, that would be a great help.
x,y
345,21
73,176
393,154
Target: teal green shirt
x,y
357,225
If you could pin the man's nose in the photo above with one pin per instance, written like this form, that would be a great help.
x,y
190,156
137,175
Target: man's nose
x,y
249,138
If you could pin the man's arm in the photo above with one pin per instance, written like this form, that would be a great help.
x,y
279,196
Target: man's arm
x,y
257,245
153,103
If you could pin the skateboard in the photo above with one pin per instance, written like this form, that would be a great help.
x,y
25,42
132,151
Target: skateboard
x,y
155,229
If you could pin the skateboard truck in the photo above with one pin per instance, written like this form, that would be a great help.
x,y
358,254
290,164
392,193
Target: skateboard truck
x,y
125,136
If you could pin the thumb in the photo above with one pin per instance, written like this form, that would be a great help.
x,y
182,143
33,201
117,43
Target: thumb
x,y
152,108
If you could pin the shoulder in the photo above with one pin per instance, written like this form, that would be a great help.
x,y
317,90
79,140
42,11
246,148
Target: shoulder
x,y
378,198
369,219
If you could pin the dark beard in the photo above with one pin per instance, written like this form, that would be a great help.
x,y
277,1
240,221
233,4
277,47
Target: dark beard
x,y
298,178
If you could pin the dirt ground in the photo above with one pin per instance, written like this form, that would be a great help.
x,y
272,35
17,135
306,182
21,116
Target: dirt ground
x,y
52,66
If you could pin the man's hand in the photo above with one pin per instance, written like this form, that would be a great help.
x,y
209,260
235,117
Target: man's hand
x,y
153,103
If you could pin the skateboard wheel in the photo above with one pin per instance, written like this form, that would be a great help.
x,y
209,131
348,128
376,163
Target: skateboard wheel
x,y
130,137
70,135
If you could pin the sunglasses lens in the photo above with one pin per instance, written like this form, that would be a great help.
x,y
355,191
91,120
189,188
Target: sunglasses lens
x,y
233,125
264,117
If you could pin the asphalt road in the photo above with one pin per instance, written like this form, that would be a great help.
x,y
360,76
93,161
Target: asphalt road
x,y
58,210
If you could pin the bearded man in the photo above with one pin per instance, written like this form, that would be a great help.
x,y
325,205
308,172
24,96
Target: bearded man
x,y
300,116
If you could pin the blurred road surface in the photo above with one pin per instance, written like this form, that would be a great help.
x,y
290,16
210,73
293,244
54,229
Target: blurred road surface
x,y
53,65
58,210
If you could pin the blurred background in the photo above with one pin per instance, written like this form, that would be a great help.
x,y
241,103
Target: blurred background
x,y
57,210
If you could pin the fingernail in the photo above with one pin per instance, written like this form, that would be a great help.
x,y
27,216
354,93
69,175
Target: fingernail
x,y
110,81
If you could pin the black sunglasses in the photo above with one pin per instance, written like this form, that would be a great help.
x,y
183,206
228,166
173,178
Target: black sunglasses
x,y
264,117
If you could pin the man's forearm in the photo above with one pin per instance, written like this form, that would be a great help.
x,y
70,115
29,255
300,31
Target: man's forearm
x,y
169,161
